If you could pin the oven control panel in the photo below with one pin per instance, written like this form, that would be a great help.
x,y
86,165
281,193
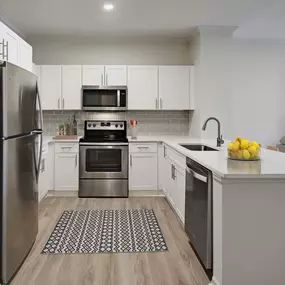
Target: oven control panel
x,y
115,125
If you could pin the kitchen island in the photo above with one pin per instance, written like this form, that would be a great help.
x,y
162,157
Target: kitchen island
x,y
248,213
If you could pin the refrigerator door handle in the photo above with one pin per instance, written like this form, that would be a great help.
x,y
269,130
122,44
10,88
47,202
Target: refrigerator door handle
x,y
39,132
40,109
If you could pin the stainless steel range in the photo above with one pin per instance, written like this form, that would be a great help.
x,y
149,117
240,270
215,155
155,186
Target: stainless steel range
x,y
103,156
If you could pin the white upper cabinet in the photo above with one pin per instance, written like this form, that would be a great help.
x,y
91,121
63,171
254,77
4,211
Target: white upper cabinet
x,y
14,49
25,55
50,87
142,87
11,46
71,87
93,75
174,87
116,75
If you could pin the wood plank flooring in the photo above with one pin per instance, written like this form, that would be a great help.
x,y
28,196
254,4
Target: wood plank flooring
x,y
178,266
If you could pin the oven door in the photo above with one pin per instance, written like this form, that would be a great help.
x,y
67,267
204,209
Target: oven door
x,y
102,98
103,161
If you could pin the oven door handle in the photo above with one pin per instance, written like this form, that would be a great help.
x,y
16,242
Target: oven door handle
x,y
197,175
103,144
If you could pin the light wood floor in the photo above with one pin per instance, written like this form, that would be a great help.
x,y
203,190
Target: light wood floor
x,y
178,266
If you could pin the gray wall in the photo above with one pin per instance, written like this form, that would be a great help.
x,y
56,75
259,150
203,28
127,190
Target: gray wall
x,y
111,51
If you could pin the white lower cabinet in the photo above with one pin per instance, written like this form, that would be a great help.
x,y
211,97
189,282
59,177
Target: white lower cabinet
x,y
162,168
143,167
66,175
179,191
174,180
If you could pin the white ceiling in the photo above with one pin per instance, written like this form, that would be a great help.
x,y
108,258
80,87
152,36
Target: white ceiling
x,y
130,17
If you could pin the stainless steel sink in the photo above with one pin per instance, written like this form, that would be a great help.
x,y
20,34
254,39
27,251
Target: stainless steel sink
x,y
198,147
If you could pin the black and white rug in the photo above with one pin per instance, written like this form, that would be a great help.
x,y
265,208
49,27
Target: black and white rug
x,y
97,231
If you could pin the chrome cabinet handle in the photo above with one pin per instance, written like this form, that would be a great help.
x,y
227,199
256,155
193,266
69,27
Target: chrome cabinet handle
x,y
7,48
160,103
102,79
174,172
106,79
3,50
131,160
58,107
156,103
76,161
164,151
2,54
62,103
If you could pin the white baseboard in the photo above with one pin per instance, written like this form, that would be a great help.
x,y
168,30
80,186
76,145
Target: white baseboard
x,y
146,193
214,281
53,193
134,193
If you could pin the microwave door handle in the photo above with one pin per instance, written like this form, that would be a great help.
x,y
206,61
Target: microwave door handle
x,y
118,98
197,175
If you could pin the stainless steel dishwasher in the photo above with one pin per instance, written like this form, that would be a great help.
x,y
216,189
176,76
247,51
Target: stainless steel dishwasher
x,y
198,211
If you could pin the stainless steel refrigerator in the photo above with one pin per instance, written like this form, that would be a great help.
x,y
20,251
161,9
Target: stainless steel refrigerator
x,y
21,143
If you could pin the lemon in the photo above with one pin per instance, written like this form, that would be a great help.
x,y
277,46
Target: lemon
x,y
256,144
246,154
244,144
238,139
236,146
252,156
230,145
233,154
252,149
240,154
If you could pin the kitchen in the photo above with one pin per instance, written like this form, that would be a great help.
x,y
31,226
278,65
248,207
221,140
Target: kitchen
x,y
168,87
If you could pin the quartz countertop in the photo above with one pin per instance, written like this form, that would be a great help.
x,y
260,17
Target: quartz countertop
x,y
49,139
271,165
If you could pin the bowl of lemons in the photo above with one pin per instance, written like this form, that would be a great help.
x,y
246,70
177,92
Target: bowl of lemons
x,y
243,149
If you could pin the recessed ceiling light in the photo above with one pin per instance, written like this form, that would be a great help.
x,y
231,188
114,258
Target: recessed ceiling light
x,y
108,6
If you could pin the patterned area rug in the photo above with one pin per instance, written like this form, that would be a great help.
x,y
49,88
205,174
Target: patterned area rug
x,y
97,231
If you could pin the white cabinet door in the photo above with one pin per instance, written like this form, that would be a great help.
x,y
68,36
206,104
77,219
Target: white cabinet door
x,y
142,87
116,75
71,87
170,182
143,171
25,55
162,168
174,87
66,171
12,49
179,193
51,87
93,75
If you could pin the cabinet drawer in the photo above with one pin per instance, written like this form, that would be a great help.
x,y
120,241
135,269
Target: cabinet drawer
x,y
143,147
66,147
176,157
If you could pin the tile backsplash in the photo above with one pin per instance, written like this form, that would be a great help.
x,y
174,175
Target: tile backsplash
x,y
150,122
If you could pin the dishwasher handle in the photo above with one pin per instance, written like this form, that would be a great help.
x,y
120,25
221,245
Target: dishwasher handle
x,y
197,175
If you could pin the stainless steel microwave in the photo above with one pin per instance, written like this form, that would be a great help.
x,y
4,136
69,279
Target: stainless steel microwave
x,y
104,98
